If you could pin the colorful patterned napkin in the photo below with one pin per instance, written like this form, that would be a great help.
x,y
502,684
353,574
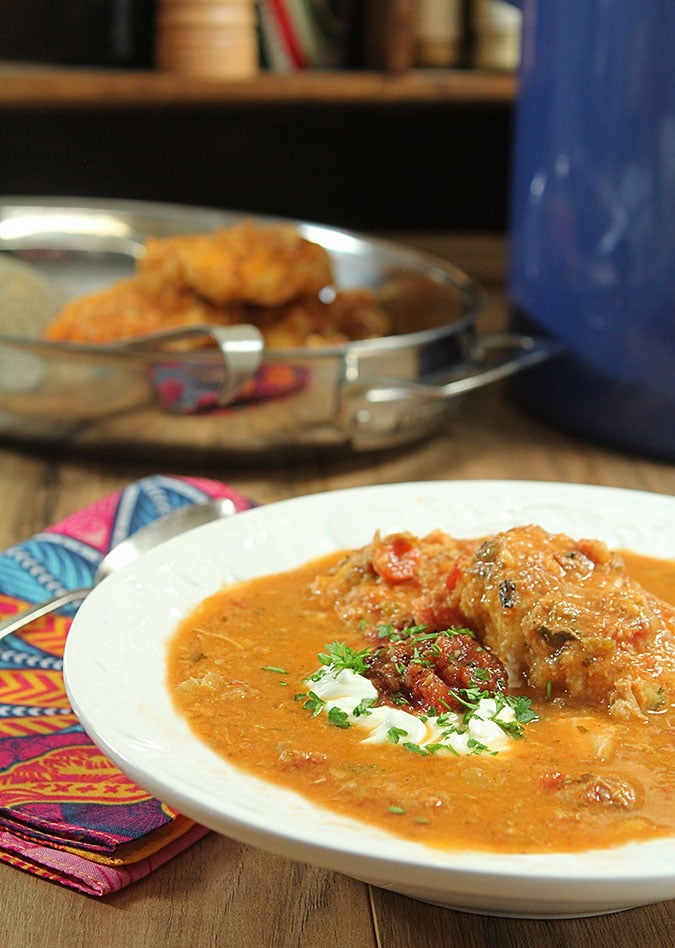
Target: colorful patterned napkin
x,y
66,812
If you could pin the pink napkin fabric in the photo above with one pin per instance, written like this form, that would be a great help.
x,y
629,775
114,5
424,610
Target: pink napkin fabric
x,y
67,813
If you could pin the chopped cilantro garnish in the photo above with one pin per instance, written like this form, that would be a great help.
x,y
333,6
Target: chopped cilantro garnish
x,y
477,746
469,632
338,718
363,707
415,748
519,704
273,668
455,728
522,708
340,656
399,699
314,703
397,635
395,733
434,748
396,809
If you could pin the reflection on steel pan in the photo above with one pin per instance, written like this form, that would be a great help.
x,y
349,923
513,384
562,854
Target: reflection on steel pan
x,y
361,396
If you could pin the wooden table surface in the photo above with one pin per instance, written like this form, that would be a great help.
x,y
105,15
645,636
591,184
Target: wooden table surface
x,y
220,892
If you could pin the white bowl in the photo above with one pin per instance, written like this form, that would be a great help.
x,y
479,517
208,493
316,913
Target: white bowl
x,y
115,670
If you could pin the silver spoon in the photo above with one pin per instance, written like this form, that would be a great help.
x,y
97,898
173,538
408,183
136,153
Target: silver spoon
x,y
125,553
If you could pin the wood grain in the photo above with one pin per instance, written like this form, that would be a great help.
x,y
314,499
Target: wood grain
x,y
31,87
221,892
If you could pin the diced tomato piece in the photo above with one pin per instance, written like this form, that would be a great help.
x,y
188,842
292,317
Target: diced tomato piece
x,y
396,558
453,576
551,779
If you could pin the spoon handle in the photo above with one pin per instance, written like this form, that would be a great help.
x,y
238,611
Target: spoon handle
x,y
20,619
177,521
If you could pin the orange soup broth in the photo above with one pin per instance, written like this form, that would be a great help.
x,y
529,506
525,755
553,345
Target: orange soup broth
x,y
237,663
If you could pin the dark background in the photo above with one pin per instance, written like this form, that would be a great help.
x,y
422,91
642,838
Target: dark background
x,y
439,165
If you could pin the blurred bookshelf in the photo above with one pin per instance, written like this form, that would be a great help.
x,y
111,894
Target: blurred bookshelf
x,y
59,53
391,137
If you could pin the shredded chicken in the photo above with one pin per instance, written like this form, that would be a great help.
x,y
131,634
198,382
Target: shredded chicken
x,y
562,615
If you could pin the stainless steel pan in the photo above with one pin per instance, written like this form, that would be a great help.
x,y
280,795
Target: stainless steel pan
x,y
236,397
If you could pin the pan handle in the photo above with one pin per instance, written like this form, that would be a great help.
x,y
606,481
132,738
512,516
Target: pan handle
x,y
494,356
378,411
183,385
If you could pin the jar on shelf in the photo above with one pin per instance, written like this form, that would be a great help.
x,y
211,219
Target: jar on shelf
x,y
212,39
497,26
439,33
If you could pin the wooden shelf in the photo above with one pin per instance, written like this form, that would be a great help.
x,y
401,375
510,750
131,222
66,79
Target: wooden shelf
x,y
24,86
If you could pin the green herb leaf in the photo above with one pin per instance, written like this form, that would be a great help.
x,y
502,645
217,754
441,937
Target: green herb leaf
x,y
468,632
394,734
522,708
388,631
434,748
314,703
338,718
363,707
385,631
341,656
415,749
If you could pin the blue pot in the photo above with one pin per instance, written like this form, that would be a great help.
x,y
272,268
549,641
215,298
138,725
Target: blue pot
x,y
593,215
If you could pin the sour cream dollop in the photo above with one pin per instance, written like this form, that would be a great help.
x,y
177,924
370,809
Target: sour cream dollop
x,y
488,726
